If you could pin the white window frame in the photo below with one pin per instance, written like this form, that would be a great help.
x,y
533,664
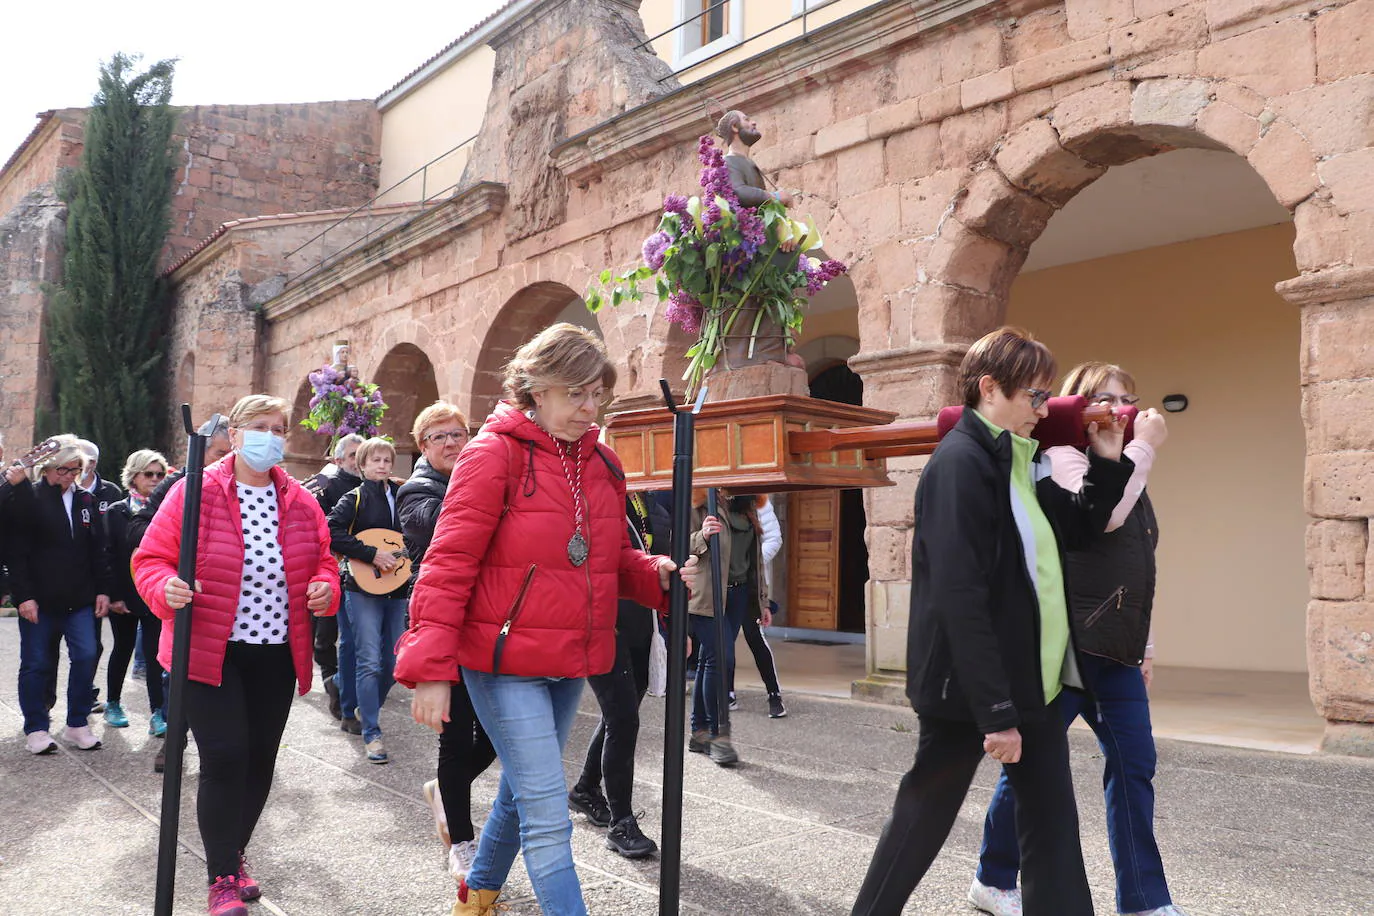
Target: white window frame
x,y
734,33
808,6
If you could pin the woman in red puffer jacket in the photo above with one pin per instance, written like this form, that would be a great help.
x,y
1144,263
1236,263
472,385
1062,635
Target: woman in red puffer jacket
x,y
520,590
263,568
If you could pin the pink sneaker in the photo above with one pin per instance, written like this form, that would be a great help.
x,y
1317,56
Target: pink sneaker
x,y
248,888
224,897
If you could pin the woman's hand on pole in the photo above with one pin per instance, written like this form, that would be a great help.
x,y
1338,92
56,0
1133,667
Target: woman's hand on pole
x,y
711,525
317,597
177,593
665,572
429,706
690,571
1107,440
1003,746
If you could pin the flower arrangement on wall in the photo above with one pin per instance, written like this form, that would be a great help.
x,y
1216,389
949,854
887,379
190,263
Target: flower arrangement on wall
x,y
343,404
727,271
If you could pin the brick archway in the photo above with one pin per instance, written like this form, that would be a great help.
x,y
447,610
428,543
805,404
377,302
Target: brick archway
x,y
407,380
522,316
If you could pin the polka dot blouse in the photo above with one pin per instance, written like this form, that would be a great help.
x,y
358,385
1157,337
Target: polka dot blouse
x,y
262,612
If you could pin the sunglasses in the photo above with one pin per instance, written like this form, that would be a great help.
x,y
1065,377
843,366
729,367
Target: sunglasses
x,y
155,475
1039,397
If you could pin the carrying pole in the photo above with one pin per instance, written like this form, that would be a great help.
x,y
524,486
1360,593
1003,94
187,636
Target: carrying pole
x,y
670,867
718,597
170,821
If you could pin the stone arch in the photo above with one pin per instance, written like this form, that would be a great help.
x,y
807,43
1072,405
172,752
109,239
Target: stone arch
x,y
825,353
408,383
305,451
522,316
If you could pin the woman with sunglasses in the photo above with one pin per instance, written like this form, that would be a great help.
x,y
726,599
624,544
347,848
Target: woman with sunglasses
x,y
1111,594
988,650
129,613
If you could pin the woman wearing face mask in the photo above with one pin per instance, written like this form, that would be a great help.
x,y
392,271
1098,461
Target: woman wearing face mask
x,y
264,567
376,621
518,596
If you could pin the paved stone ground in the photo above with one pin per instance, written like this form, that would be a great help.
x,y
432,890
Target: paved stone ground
x,y
789,832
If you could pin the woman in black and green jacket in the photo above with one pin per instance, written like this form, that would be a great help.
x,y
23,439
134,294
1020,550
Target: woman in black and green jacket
x,y
989,649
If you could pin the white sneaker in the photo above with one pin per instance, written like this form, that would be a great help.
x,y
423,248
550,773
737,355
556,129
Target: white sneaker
x,y
461,857
39,743
436,806
994,900
1169,910
81,737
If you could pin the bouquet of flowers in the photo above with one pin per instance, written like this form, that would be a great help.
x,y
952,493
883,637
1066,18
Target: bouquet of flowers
x,y
342,404
718,263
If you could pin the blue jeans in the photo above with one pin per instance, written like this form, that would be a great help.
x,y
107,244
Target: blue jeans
x,y
39,646
346,678
528,720
377,623
706,689
1121,720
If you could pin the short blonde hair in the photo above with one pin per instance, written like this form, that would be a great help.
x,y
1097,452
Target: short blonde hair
x,y
561,354
139,462
1090,378
252,406
433,415
375,444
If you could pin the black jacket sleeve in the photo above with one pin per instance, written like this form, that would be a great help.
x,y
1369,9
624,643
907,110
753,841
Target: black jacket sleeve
x,y
1080,518
140,520
102,570
958,531
20,510
341,518
417,506
116,536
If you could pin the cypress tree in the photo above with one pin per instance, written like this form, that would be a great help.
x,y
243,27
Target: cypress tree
x,y
107,322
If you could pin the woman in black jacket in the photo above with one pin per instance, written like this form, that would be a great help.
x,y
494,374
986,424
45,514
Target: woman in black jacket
x,y
129,613
376,621
989,649
465,751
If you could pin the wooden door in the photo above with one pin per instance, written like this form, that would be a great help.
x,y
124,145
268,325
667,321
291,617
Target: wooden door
x,y
813,557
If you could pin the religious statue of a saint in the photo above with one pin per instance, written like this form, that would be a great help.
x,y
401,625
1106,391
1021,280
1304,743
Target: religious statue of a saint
x,y
740,132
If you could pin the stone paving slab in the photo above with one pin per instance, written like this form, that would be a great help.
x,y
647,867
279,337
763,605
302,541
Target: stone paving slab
x,y
787,833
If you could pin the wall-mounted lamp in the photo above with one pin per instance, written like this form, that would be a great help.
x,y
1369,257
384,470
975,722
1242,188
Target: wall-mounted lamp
x,y
1175,403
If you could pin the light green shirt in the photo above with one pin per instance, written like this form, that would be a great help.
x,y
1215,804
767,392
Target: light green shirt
x,y
1042,561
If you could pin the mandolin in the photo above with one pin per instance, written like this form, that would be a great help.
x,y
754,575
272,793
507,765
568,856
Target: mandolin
x,y
371,579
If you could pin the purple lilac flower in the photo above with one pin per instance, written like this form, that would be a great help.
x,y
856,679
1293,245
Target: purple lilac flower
x,y
685,311
654,247
675,203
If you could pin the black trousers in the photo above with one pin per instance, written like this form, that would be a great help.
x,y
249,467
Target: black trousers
x,y
125,628
611,754
763,656
238,727
928,801
465,752
326,645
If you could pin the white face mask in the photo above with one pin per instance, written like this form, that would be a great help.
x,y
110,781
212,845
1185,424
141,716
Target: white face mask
x,y
262,450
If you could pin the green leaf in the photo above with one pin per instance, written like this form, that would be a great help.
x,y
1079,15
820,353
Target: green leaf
x,y
605,276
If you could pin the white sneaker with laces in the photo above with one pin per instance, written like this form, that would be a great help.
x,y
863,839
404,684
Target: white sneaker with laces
x,y
1169,910
994,900
461,857
81,737
435,800
39,743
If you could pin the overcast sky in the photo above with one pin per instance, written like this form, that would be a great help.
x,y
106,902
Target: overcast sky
x,y
246,52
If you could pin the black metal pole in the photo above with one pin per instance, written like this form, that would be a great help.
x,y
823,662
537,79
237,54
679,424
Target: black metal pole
x,y
670,867
718,598
170,821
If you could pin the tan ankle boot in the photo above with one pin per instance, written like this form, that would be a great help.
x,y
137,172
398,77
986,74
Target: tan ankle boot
x,y
474,902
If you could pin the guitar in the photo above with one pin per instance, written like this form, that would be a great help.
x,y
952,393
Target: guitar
x,y
371,579
45,449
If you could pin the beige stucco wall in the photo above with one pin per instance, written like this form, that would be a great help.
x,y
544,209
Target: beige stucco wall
x,y
1202,319
432,120
759,17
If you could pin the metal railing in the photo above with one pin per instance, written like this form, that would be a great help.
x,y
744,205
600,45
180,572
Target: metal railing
x,y
717,4
370,230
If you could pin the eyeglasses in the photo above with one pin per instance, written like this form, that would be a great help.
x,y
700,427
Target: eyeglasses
x,y
1039,396
1125,400
155,475
578,397
260,428
457,435
68,472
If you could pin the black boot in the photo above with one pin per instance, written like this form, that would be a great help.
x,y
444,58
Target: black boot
x,y
626,838
591,803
